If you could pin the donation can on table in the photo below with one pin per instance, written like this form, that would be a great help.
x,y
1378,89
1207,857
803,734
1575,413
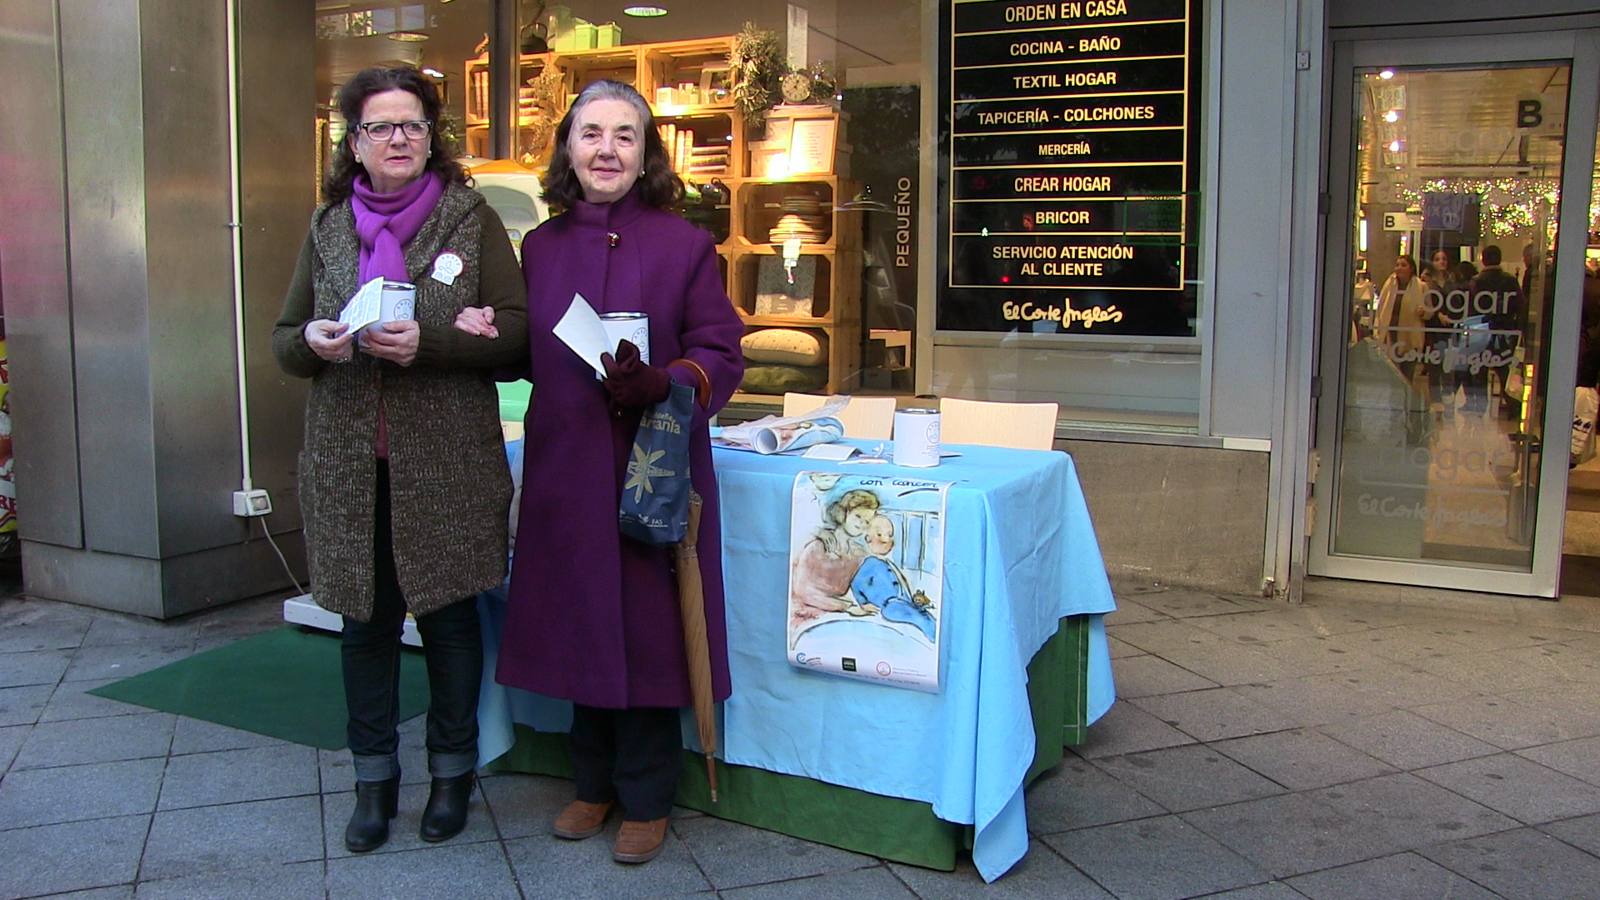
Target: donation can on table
x,y
916,437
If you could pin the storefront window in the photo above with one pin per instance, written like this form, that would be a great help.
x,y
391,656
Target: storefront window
x,y
441,39
1069,186
808,180
1060,260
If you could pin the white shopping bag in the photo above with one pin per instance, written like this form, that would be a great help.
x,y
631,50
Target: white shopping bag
x,y
1585,406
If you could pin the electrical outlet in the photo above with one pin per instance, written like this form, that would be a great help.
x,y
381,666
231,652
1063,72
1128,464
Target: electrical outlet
x,y
247,504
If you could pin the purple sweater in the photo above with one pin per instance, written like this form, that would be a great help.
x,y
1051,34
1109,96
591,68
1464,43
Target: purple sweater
x,y
593,616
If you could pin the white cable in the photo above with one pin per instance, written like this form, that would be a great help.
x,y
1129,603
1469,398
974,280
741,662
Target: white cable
x,y
286,570
236,228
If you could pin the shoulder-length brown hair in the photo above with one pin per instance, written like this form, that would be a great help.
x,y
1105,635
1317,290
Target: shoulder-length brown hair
x,y
353,96
658,185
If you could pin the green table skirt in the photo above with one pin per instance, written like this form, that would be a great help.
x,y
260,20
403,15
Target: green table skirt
x,y
886,827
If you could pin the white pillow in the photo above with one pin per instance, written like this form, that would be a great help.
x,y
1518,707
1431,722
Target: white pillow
x,y
785,346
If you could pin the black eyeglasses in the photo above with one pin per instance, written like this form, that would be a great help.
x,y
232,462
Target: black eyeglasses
x,y
383,131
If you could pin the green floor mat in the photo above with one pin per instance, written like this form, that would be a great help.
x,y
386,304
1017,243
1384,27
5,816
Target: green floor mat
x,y
286,684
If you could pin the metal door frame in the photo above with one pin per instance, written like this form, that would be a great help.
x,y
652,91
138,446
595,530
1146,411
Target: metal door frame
x,y
1581,50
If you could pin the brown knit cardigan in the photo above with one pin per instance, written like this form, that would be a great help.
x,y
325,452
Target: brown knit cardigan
x,y
450,488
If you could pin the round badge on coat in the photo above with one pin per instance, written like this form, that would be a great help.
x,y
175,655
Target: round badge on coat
x,y
446,267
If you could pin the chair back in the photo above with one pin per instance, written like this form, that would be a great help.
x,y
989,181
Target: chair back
x,y
1022,426
868,418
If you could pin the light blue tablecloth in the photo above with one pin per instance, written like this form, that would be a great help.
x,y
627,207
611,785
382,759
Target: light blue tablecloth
x,y
1020,554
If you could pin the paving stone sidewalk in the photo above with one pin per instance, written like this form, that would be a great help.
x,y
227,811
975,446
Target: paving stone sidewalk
x,y
1371,742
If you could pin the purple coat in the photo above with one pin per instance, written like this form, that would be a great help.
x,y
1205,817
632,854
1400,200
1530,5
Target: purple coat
x,y
593,616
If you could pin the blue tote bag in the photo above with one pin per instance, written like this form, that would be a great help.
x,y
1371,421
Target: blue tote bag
x,y
655,495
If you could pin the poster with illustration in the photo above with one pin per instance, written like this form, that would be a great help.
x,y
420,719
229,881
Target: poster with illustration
x,y
866,577
8,485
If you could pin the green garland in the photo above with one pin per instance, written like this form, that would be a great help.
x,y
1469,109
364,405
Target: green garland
x,y
756,64
824,84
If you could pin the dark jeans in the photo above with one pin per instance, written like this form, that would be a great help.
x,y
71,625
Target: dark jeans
x,y
1503,346
1441,380
1506,347
1476,386
453,647
629,755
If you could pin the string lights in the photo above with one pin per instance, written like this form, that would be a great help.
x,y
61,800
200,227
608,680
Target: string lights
x,y
1506,206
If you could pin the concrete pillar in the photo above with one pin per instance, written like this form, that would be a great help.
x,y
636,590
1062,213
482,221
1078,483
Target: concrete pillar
x,y
115,231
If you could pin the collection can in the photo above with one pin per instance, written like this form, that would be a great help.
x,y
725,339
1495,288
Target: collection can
x,y
916,437
630,326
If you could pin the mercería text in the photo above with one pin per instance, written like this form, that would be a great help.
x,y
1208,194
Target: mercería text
x,y
1076,148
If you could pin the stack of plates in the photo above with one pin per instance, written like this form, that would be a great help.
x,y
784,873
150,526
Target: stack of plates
x,y
804,217
792,227
805,207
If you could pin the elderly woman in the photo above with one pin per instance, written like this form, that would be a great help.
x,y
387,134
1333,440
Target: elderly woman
x,y
403,483
593,616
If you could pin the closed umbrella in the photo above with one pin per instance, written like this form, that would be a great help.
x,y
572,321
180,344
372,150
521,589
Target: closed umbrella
x,y
692,604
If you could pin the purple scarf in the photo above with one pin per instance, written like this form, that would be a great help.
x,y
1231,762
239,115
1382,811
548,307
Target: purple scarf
x,y
385,223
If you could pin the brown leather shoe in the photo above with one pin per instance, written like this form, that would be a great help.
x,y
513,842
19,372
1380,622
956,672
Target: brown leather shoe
x,y
639,842
581,819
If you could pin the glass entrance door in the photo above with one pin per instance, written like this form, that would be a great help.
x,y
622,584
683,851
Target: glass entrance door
x,y
1448,375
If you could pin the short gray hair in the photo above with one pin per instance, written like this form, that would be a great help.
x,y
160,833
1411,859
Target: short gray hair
x,y
614,90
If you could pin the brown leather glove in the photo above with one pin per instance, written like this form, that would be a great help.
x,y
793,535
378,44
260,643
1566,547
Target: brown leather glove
x,y
630,382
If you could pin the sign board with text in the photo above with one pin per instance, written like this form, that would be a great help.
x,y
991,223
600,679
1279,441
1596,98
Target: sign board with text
x,y
1069,157
1402,221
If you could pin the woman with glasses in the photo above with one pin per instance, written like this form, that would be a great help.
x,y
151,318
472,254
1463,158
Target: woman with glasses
x,y
404,489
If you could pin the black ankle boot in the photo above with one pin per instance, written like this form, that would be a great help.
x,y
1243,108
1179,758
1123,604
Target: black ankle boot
x,y
446,813
376,803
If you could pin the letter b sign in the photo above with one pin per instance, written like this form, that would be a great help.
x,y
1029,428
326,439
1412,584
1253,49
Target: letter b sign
x,y
1530,113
